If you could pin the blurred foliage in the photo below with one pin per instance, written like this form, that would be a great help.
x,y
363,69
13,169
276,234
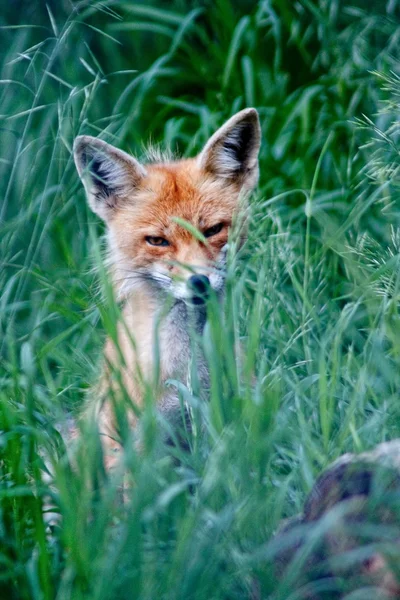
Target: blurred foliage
x,y
315,295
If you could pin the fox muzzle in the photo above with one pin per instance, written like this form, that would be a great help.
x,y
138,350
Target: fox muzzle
x,y
200,286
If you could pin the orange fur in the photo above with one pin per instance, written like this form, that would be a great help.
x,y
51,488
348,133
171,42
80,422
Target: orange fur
x,y
141,203
175,190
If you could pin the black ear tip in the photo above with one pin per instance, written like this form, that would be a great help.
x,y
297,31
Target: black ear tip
x,y
252,111
249,114
254,119
85,146
79,143
248,123
80,148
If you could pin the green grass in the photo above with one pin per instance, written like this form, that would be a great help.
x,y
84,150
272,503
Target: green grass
x,y
314,295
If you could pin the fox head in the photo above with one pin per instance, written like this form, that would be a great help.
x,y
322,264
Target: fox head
x,y
168,222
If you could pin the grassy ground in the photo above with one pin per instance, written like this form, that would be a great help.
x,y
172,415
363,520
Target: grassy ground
x,y
314,297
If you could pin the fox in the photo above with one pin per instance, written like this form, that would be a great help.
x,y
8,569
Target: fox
x,y
167,224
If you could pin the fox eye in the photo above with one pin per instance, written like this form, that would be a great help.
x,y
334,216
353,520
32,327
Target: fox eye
x,y
213,230
155,240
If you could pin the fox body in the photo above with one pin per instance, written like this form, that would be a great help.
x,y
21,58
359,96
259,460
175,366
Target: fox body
x,y
167,227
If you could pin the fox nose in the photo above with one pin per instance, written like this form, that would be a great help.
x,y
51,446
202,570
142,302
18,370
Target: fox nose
x,y
200,286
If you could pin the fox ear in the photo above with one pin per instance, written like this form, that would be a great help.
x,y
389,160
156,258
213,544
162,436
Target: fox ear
x,y
232,152
109,175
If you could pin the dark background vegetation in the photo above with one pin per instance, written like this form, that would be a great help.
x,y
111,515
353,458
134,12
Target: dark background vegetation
x,y
315,297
